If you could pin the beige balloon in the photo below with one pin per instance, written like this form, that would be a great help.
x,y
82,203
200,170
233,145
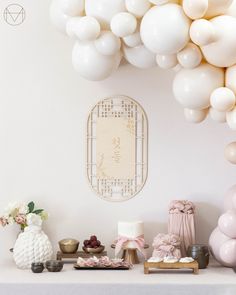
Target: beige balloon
x,y
230,153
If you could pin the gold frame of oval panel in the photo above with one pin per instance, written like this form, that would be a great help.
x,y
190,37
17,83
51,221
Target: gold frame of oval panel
x,y
117,148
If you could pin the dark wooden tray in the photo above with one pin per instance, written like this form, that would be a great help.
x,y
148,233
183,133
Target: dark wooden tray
x,y
101,268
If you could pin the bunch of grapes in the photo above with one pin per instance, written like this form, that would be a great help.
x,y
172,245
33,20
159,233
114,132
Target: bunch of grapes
x,y
93,242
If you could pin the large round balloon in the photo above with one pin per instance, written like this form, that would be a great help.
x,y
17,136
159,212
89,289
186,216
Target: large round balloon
x,y
104,10
230,153
91,64
73,7
227,223
57,16
221,50
216,240
228,253
193,87
165,29
107,43
139,57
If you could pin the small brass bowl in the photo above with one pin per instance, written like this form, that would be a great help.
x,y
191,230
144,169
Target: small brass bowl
x,y
68,245
97,250
54,265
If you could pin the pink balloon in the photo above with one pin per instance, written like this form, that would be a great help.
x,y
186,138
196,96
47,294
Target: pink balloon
x,y
217,239
227,223
228,253
230,199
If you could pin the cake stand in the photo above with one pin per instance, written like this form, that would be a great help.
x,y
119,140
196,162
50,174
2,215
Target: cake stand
x,y
130,254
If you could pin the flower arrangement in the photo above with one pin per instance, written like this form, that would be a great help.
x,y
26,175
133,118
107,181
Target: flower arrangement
x,y
23,214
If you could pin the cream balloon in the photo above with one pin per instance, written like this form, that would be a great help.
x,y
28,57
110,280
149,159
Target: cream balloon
x,y
231,118
167,61
91,64
217,7
137,7
217,116
139,57
230,153
71,26
104,10
230,78
165,29
190,57
223,99
193,87
195,8
161,2
202,32
57,16
216,240
228,253
123,24
107,43
230,199
195,116
221,51
133,40
227,223
73,7
88,28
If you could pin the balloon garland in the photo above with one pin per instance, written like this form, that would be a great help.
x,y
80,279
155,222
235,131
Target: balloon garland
x,y
196,37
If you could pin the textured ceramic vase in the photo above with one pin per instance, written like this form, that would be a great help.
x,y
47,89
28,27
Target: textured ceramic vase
x,y
31,246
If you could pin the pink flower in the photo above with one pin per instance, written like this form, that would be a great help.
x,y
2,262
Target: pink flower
x,y
3,221
20,219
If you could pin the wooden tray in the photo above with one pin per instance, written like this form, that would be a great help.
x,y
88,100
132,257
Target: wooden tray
x,y
100,268
177,265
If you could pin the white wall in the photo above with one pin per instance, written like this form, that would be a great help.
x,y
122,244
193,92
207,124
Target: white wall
x,y
43,110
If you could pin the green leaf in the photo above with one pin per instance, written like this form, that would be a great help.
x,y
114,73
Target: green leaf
x,y
38,211
31,207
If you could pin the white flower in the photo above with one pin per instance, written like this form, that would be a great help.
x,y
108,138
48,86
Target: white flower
x,y
23,209
10,220
34,219
11,209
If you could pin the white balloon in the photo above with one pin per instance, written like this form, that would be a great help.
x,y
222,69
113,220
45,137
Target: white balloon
x,y
195,116
217,116
57,16
104,10
88,28
133,40
71,25
123,24
223,99
195,8
161,2
140,57
91,64
221,51
167,61
202,32
165,29
231,118
107,43
190,57
73,7
230,152
193,87
230,78
137,7
217,7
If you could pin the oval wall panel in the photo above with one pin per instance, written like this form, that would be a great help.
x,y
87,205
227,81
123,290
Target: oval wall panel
x,y
117,139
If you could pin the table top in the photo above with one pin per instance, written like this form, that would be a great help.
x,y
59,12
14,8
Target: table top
x,y
219,279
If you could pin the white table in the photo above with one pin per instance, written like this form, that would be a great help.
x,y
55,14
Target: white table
x,y
215,280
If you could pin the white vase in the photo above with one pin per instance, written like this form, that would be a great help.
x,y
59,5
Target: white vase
x,y
31,246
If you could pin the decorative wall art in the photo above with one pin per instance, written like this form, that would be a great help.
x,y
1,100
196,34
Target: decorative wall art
x,y
196,38
117,148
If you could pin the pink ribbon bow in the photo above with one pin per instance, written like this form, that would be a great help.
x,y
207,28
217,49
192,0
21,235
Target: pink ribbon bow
x,y
138,241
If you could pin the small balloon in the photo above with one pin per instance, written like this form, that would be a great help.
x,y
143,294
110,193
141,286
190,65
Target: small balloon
x,y
230,153
228,253
190,57
123,24
107,43
73,7
88,28
71,25
202,32
223,99
167,61
227,223
230,198
195,116
231,118
230,78
137,7
195,9
216,240
217,116
57,16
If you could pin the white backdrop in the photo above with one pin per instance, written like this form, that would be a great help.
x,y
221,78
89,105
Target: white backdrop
x,y
43,111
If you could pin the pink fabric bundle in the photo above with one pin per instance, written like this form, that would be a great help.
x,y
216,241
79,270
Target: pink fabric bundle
x,y
166,245
181,223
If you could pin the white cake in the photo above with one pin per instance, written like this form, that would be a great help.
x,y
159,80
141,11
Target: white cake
x,y
130,230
